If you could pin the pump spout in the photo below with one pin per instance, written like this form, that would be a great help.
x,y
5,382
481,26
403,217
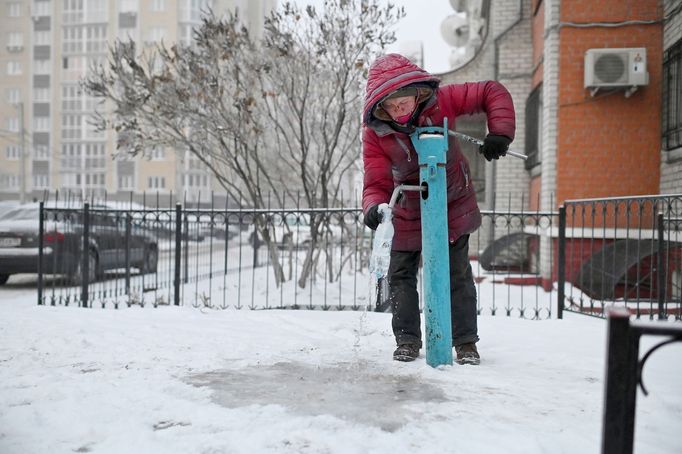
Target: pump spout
x,y
400,189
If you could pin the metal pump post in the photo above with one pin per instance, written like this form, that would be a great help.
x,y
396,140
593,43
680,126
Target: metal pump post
x,y
431,144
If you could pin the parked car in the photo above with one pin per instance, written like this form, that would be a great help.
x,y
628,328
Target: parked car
x,y
7,205
63,244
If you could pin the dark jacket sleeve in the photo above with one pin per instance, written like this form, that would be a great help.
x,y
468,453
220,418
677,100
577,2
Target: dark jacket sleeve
x,y
378,179
490,97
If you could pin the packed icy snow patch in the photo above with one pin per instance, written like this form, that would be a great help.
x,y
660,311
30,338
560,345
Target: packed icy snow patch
x,y
351,391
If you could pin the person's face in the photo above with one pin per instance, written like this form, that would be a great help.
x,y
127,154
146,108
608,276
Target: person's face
x,y
399,107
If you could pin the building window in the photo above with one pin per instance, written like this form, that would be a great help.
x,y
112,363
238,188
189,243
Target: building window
x,y
41,181
534,128
12,124
13,95
156,154
192,10
155,35
73,39
72,99
74,68
71,127
127,6
41,8
41,67
73,11
95,156
9,181
41,152
96,10
95,179
41,95
156,182
13,68
92,133
126,182
41,124
14,9
15,41
196,181
186,34
672,97
93,103
42,38
71,156
127,34
12,152
158,5
96,39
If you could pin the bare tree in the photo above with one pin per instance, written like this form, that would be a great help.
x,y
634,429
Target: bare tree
x,y
275,115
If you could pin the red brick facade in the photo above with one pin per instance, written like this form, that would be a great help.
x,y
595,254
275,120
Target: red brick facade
x,y
607,145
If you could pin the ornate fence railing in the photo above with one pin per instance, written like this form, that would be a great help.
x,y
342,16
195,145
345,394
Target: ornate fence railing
x,y
589,256
261,259
621,251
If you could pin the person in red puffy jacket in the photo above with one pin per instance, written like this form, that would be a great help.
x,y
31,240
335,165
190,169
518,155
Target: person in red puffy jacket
x,y
401,96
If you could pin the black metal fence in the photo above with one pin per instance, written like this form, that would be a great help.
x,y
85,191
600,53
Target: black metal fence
x,y
261,259
591,255
207,257
623,374
624,251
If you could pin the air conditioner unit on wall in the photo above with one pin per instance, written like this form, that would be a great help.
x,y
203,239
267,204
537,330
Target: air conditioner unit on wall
x,y
616,68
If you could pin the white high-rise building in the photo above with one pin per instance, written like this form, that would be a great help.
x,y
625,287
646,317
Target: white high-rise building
x,y
46,140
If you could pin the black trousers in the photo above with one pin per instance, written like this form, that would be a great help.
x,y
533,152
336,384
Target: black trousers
x,y
402,278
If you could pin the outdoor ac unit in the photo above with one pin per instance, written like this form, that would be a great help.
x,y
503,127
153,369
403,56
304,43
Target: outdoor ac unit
x,y
613,68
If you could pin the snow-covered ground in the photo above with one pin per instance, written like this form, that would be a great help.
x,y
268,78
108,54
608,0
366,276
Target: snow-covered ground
x,y
189,380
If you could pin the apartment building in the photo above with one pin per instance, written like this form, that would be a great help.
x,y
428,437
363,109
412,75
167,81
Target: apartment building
x,y
46,139
598,96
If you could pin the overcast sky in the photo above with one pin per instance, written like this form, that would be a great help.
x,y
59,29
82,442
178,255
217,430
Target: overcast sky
x,y
421,23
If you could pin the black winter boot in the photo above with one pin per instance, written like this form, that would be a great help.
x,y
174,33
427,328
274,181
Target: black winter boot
x,y
467,354
406,352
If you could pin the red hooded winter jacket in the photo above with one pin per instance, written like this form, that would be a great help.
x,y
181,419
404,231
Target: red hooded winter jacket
x,y
390,158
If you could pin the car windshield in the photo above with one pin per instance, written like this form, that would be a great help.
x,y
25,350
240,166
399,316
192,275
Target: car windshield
x,y
21,214
6,207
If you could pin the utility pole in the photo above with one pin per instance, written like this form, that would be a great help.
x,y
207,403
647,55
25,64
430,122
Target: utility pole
x,y
22,150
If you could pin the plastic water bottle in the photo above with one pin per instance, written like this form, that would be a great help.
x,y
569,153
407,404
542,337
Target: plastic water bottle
x,y
381,247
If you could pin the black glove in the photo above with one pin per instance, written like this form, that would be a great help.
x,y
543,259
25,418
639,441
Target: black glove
x,y
495,146
373,217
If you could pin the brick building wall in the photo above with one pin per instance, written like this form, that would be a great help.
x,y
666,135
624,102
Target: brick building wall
x,y
608,145
671,161
505,56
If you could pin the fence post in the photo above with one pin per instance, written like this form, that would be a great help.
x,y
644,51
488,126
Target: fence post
x,y
186,266
178,253
41,232
561,268
621,384
661,266
85,255
127,253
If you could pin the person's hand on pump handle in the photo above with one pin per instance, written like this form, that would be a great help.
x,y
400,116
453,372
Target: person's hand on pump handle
x,y
495,147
